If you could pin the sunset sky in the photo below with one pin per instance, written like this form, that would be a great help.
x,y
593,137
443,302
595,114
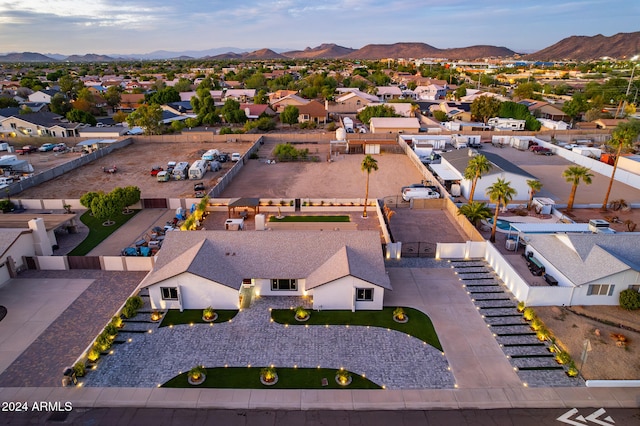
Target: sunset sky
x,y
143,26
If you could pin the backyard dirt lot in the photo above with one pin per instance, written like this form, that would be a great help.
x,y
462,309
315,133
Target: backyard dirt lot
x,y
607,360
340,178
134,163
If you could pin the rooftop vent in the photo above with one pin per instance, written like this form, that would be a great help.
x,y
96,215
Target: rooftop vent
x,y
598,225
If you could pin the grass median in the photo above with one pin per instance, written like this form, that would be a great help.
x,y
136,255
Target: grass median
x,y
97,232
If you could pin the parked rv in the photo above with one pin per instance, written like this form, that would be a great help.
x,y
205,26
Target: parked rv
x,y
198,169
180,171
211,155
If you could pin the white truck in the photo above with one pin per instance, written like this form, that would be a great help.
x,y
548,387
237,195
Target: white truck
x,y
348,124
180,171
198,169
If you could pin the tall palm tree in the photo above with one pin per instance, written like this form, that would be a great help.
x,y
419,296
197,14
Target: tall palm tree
x,y
476,167
534,187
621,138
475,212
368,165
573,175
500,193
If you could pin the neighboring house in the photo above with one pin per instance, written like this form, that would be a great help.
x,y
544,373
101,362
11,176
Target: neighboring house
x,y
240,95
254,111
545,110
40,124
595,266
455,111
431,92
279,94
131,101
295,100
350,102
42,96
337,270
609,123
312,111
457,161
215,94
169,116
35,106
553,125
178,108
386,93
403,109
394,125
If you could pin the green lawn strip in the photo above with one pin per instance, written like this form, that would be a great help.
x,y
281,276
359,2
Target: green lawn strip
x,y
97,232
188,316
418,326
288,378
341,218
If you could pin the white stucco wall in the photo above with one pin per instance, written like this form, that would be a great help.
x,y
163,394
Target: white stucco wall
x,y
52,263
196,292
23,246
263,288
621,281
340,294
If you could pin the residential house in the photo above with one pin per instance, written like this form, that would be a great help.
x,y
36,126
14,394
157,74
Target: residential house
x,y
312,111
386,93
240,95
43,96
131,101
545,110
40,124
456,161
337,270
394,125
431,92
295,100
455,110
178,108
592,268
403,109
350,102
216,95
279,94
255,111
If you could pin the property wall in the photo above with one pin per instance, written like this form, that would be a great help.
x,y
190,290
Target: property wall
x,y
197,293
468,250
23,246
514,282
108,263
428,176
52,263
340,294
469,229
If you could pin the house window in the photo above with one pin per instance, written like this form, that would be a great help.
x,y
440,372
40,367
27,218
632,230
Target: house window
x,y
284,284
169,293
364,294
600,290
14,126
635,287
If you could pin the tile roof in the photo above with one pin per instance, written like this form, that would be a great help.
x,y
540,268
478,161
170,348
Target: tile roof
x,y
228,257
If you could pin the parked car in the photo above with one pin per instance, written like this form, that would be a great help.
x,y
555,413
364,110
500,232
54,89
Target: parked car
x,y
60,147
155,170
199,189
235,157
223,158
47,147
27,149
540,150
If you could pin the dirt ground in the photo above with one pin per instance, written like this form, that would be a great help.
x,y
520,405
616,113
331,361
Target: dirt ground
x,y
606,361
549,171
340,178
134,163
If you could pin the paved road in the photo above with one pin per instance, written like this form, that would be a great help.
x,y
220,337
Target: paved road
x,y
160,417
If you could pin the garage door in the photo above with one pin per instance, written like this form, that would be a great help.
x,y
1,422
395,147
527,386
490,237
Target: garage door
x,y
154,203
372,149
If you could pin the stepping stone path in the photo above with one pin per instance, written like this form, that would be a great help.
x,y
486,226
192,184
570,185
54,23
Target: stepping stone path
x,y
534,362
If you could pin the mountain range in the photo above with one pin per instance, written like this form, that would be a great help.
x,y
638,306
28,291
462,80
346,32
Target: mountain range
x,y
621,45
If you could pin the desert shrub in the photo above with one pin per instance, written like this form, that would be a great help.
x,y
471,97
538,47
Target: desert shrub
x,y
536,324
630,299
79,368
529,314
563,357
521,306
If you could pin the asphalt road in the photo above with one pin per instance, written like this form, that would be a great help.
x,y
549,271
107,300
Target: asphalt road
x,y
159,417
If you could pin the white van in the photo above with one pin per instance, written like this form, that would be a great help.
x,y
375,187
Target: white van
x,y
235,157
198,169
410,193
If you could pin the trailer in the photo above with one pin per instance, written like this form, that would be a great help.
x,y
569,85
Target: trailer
x,y
180,171
499,123
198,169
520,143
211,155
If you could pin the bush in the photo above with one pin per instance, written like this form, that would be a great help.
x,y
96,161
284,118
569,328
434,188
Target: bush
x,y
135,301
116,321
79,368
254,156
563,357
129,311
630,299
521,306
103,342
111,330
529,314
197,372
93,355
6,205
537,324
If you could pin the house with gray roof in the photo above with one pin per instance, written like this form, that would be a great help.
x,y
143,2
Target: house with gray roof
x,y
40,124
336,269
591,269
456,161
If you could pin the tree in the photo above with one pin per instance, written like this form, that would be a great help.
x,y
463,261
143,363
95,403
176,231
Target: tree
x,y
485,107
113,96
148,117
126,196
105,207
368,165
475,212
573,175
60,104
576,106
163,96
232,113
183,85
440,116
10,102
88,198
534,187
119,117
476,167
261,98
500,193
77,116
622,138
527,90
376,111
204,107
290,115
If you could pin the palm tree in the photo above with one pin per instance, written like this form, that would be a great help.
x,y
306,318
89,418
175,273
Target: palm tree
x,y
500,193
476,167
534,187
368,164
573,175
621,138
475,212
